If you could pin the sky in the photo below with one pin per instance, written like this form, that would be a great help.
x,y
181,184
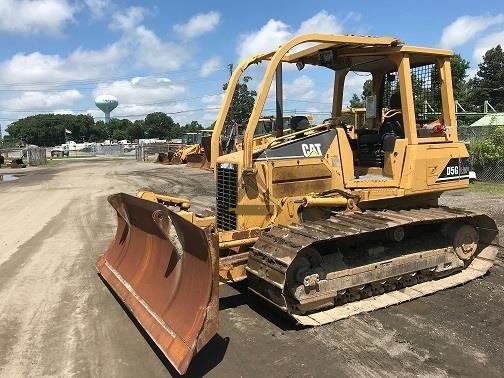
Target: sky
x,y
57,56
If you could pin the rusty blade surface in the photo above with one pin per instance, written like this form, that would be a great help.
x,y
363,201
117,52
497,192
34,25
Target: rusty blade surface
x,y
165,270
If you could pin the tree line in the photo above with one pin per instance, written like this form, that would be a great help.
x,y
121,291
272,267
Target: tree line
x,y
52,129
486,85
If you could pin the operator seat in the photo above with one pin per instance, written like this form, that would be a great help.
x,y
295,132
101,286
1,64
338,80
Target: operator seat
x,y
298,123
393,121
373,147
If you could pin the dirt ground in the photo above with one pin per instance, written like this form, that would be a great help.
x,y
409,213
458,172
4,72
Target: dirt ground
x,y
58,318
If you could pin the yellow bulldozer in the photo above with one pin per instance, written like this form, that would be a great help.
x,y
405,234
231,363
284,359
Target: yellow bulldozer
x,y
324,222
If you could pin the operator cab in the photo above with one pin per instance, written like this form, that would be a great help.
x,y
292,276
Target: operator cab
x,y
405,104
402,137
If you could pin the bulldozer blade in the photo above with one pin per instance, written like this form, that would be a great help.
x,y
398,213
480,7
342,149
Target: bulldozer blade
x,y
165,270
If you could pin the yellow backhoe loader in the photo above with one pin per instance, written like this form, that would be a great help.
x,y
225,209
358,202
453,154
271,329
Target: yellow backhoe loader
x,y
192,151
324,222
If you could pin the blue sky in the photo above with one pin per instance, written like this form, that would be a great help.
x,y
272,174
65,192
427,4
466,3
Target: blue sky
x,y
173,57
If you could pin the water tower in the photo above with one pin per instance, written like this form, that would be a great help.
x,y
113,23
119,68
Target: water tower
x,y
106,103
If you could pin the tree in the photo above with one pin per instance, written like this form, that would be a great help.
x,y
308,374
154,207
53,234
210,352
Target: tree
x,y
97,132
356,102
488,84
50,129
192,127
488,151
118,129
137,130
459,67
367,89
242,102
158,125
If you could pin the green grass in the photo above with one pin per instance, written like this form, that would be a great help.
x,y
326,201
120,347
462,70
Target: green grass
x,y
486,187
54,161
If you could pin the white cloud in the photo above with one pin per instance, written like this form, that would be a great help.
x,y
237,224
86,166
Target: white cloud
x,y
269,37
94,63
37,70
143,95
129,19
34,67
142,90
33,76
211,106
354,83
64,111
35,16
149,51
98,8
486,43
465,28
322,22
211,66
276,32
353,17
42,101
200,24
302,88
144,48
212,99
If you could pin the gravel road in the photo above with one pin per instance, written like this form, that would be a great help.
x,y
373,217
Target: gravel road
x,y
59,319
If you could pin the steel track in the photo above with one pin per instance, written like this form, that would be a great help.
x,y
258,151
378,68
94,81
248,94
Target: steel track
x,y
342,292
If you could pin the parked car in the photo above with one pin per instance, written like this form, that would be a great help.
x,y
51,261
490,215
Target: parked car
x,y
60,151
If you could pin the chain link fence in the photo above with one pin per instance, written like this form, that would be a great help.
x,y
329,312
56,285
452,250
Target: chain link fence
x,y
33,156
150,152
108,150
486,151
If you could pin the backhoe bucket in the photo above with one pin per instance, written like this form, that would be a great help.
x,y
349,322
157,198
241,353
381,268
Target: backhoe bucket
x,y
194,160
175,160
206,145
165,270
165,157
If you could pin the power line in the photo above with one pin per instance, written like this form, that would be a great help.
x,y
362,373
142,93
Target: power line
x,y
100,79
171,101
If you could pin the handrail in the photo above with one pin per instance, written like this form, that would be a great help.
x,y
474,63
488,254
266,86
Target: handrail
x,y
276,60
226,103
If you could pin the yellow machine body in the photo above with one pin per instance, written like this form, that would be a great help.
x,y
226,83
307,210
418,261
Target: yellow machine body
x,y
326,221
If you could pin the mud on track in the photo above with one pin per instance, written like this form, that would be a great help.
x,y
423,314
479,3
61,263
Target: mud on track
x,y
59,319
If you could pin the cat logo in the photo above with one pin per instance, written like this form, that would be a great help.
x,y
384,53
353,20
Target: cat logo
x,y
311,149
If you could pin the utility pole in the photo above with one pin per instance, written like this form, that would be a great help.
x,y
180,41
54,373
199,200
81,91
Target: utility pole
x,y
230,68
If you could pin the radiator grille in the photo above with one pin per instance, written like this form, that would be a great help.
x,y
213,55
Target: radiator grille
x,y
227,182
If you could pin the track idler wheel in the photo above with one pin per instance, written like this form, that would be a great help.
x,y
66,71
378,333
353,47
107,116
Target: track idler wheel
x,y
465,240
396,234
303,270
